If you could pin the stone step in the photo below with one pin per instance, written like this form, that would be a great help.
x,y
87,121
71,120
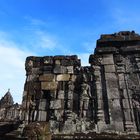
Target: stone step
x,y
130,126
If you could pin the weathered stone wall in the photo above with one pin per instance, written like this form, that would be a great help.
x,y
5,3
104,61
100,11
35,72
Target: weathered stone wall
x,y
119,56
74,99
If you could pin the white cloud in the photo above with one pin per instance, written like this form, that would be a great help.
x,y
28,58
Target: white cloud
x,y
39,38
45,41
35,21
12,73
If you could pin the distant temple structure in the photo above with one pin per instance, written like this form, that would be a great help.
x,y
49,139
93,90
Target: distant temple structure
x,y
64,100
8,110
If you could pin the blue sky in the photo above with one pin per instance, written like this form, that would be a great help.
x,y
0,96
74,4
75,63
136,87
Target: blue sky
x,y
56,27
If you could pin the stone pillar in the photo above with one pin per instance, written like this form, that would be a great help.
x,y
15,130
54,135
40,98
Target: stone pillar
x,y
100,110
124,94
113,95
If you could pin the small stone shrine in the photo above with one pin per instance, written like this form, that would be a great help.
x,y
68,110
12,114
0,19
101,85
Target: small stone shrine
x,y
8,110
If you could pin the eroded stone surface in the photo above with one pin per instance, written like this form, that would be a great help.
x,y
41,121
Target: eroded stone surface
x,y
103,97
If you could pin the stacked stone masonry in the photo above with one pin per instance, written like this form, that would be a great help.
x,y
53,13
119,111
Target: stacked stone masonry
x,y
102,97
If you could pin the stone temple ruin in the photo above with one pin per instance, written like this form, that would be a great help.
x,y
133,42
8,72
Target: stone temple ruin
x,y
8,110
66,100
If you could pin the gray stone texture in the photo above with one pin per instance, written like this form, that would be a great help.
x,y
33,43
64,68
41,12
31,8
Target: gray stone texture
x,y
103,97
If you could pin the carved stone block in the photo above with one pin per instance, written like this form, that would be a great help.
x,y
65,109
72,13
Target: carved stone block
x,y
66,62
36,71
116,114
48,60
63,77
59,69
112,83
126,103
127,114
31,78
116,103
47,68
122,84
85,104
109,68
61,94
42,105
42,116
113,93
97,73
73,77
56,104
70,95
47,77
110,76
108,59
125,93
59,114
57,62
120,69
70,104
49,85
70,69
99,94
121,77
37,86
